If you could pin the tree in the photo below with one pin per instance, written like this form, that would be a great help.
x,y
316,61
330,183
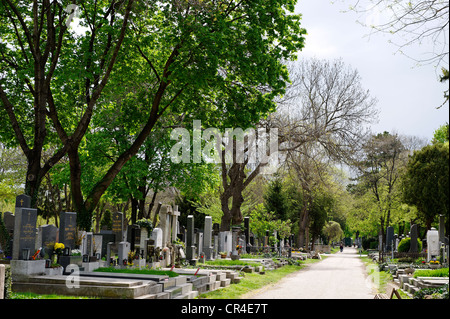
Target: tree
x,y
441,135
414,21
378,172
219,62
324,108
44,68
263,220
333,231
275,199
426,182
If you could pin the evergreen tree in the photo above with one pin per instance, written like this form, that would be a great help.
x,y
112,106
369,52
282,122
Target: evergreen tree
x,y
275,200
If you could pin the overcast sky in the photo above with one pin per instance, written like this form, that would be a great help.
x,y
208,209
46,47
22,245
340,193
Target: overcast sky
x,y
407,94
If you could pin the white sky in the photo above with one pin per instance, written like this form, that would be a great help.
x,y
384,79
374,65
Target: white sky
x,y
407,94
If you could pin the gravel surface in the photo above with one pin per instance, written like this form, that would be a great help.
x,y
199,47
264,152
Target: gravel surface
x,y
339,276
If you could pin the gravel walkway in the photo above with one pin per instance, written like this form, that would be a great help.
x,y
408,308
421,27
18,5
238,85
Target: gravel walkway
x,y
339,276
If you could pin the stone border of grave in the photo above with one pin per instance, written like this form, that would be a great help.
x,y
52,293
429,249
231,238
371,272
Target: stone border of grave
x,y
403,279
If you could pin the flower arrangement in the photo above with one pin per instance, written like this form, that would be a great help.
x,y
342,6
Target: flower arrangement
x,y
146,223
58,248
434,262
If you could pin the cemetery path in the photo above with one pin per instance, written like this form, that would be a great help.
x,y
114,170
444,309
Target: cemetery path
x,y
339,276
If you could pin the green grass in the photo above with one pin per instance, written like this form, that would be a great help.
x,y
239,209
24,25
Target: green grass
x,y
138,271
226,262
441,272
254,281
29,295
379,278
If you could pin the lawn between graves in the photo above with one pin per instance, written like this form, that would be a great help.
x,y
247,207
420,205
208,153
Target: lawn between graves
x,y
379,278
254,281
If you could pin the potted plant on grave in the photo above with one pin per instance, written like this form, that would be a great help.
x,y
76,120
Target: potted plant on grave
x,y
239,249
58,249
223,254
434,264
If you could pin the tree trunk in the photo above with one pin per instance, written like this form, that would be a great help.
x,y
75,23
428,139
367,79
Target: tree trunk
x,y
303,223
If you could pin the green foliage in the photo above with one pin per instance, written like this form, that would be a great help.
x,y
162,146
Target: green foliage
x,y
441,135
441,272
106,220
333,231
262,220
4,236
426,181
145,223
275,199
405,244
438,293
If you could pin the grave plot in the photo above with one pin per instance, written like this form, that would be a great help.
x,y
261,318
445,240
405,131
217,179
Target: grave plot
x,y
49,260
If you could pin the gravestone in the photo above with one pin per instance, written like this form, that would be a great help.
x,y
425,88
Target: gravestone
x,y
164,223
247,233
68,229
97,246
87,244
47,237
123,250
8,220
199,242
225,241
389,238
207,238
157,237
117,226
414,248
190,247
23,201
432,243
107,237
216,230
442,228
175,214
234,252
24,237
134,236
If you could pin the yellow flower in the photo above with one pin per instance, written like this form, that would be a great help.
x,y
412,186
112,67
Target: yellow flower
x,y
58,246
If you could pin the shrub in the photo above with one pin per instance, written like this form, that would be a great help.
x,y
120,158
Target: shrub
x,y
442,272
405,244
438,293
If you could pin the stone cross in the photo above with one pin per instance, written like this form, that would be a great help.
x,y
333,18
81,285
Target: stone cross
x,y
175,215
164,222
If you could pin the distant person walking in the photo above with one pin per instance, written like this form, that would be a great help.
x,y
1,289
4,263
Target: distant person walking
x,y
341,247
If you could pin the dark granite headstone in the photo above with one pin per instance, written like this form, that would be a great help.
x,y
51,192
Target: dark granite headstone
x,y
117,226
389,238
23,201
247,233
68,229
48,237
190,247
24,233
413,248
